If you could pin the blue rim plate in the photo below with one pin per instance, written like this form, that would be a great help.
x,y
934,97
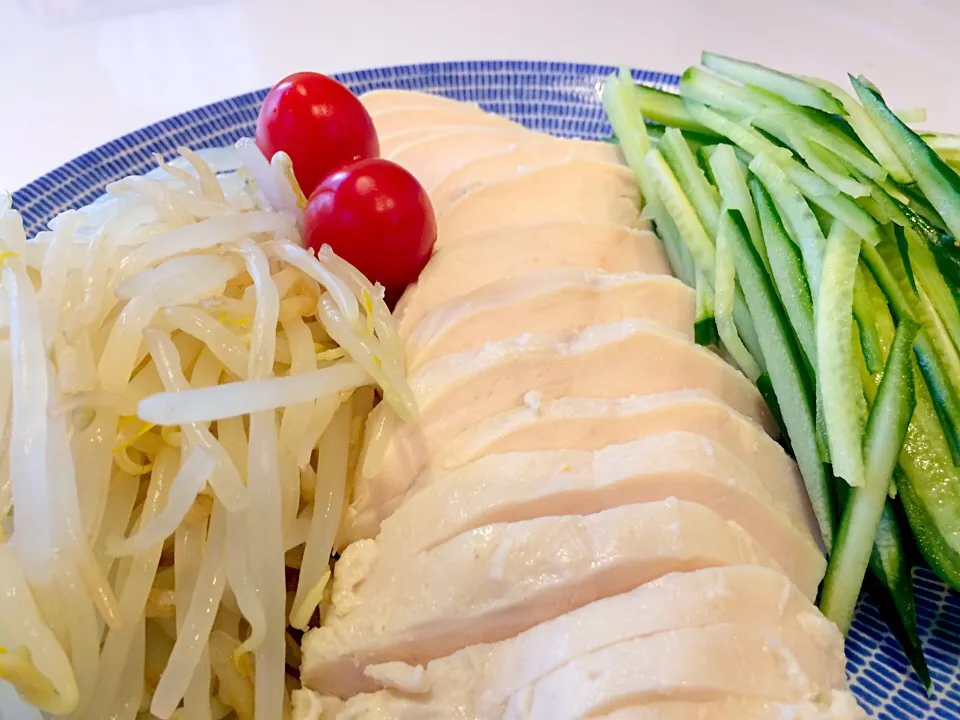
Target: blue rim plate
x,y
563,99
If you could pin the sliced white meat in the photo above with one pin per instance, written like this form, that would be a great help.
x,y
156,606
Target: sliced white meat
x,y
392,98
493,582
390,122
578,423
523,157
694,664
552,300
571,190
631,357
509,487
394,141
432,158
479,259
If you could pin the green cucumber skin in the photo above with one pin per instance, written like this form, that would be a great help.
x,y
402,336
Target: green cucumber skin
x,y
787,374
939,182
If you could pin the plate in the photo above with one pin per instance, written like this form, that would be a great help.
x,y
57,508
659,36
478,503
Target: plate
x,y
563,99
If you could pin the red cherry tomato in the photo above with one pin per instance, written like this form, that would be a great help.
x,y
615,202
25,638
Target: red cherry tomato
x,y
319,123
376,216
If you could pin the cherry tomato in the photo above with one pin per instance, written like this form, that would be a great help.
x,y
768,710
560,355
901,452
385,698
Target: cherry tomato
x,y
319,123
376,216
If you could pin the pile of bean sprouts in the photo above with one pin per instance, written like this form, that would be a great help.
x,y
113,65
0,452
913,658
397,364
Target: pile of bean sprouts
x,y
183,397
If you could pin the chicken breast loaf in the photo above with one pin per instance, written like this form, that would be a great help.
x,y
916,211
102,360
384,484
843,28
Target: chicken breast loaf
x,y
592,517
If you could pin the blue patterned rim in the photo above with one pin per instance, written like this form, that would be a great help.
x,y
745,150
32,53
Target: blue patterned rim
x,y
563,99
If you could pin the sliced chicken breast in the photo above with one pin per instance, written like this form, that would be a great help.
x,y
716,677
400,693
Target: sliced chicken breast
x,y
394,141
432,158
482,678
692,664
493,582
518,486
552,300
478,260
578,423
572,190
631,357
494,168
389,122
392,98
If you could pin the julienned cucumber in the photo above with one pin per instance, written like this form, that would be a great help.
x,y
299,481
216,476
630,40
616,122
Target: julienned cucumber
x,y
929,484
664,108
791,88
886,428
786,266
704,327
844,409
939,182
786,370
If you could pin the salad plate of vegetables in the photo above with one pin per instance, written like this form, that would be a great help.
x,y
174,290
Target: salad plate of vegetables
x,y
817,225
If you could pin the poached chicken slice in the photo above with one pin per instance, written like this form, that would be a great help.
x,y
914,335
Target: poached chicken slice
x,y
553,300
573,190
630,357
521,485
396,120
528,156
578,423
478,260
492,582
432,158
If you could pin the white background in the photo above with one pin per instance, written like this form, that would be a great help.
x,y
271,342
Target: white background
x,y
76,73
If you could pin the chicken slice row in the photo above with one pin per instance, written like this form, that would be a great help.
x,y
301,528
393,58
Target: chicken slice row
x,y
592,517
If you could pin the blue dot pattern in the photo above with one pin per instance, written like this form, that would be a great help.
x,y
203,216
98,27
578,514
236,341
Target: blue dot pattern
x,y
563,99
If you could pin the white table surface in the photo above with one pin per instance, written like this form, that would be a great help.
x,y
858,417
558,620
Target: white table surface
x,y
77,73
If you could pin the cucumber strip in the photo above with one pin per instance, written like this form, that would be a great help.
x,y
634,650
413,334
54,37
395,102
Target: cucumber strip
x,y
786,369
765,386
901,242
894,590
704,327
939,293
943,393
844,409
809,183
863,314
787,271
725,284
823,442
793,89
697,241
784,122
703,154
868,133
929,484
886,429
665,108
945,363
797,213
720,94
729,177
623,111
701,194
818,159
743,136
681,210
677,252
939,182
